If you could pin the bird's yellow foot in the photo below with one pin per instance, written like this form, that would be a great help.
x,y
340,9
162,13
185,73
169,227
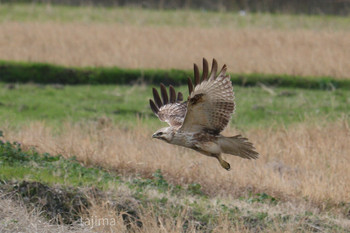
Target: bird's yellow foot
x,y
223,163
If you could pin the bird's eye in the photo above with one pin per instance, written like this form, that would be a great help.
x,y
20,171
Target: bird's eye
x,y
160,133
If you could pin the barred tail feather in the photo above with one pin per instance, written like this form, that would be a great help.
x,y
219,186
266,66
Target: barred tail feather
x,y
238,146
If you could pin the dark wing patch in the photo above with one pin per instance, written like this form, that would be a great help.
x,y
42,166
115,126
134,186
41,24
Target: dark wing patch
x,y
172,94
214,69
170,108
154,108
179,97
197,79
205,70
205,76
164,94
196,99
190,85
156,98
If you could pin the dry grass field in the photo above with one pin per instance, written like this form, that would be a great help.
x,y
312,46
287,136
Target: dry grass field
x,y
248,50
304,166
136,38
303,160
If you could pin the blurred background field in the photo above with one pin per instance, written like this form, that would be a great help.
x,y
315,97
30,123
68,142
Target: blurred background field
x,y
75,125
142,38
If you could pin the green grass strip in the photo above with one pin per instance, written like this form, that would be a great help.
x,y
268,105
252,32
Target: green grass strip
x,y
23,72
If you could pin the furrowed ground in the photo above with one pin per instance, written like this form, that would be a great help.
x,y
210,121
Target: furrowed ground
x,y
74,156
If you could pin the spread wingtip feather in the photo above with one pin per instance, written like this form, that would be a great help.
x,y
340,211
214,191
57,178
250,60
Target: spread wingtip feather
x,y
154,108
164,94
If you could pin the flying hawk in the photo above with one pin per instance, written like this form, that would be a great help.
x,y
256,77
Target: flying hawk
x,y
197,122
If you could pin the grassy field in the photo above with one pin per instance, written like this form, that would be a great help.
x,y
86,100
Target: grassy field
x,y
300,180
307,46
72,156
174,18
256,106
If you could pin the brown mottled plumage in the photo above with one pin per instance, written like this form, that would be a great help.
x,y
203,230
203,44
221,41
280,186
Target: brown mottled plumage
x,y
197,122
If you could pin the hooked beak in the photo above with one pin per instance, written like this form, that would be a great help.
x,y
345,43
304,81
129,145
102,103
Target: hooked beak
x,y
157,135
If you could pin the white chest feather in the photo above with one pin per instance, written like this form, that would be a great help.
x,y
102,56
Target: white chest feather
x,y
183,139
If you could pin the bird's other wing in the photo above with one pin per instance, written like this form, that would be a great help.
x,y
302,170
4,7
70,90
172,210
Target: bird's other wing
x,y
169,109
211,101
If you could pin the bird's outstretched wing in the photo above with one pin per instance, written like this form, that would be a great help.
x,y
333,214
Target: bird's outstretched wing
x,y
170,110
211,101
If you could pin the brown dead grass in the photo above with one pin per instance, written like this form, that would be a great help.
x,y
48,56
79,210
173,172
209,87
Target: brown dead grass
x,y
247,50
168,224
305,161
151,223
154,220
14,217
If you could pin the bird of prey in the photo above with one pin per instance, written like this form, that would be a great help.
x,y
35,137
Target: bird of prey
x,y
197,122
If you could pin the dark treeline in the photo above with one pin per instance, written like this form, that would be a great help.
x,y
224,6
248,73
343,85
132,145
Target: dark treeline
x,y
333,7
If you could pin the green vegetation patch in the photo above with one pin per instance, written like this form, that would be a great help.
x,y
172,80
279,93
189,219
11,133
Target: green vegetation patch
x,y
19,164
20,72
30,165
258,106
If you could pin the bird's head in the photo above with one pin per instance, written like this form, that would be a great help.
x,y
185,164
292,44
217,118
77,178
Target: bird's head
x,y
165,134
